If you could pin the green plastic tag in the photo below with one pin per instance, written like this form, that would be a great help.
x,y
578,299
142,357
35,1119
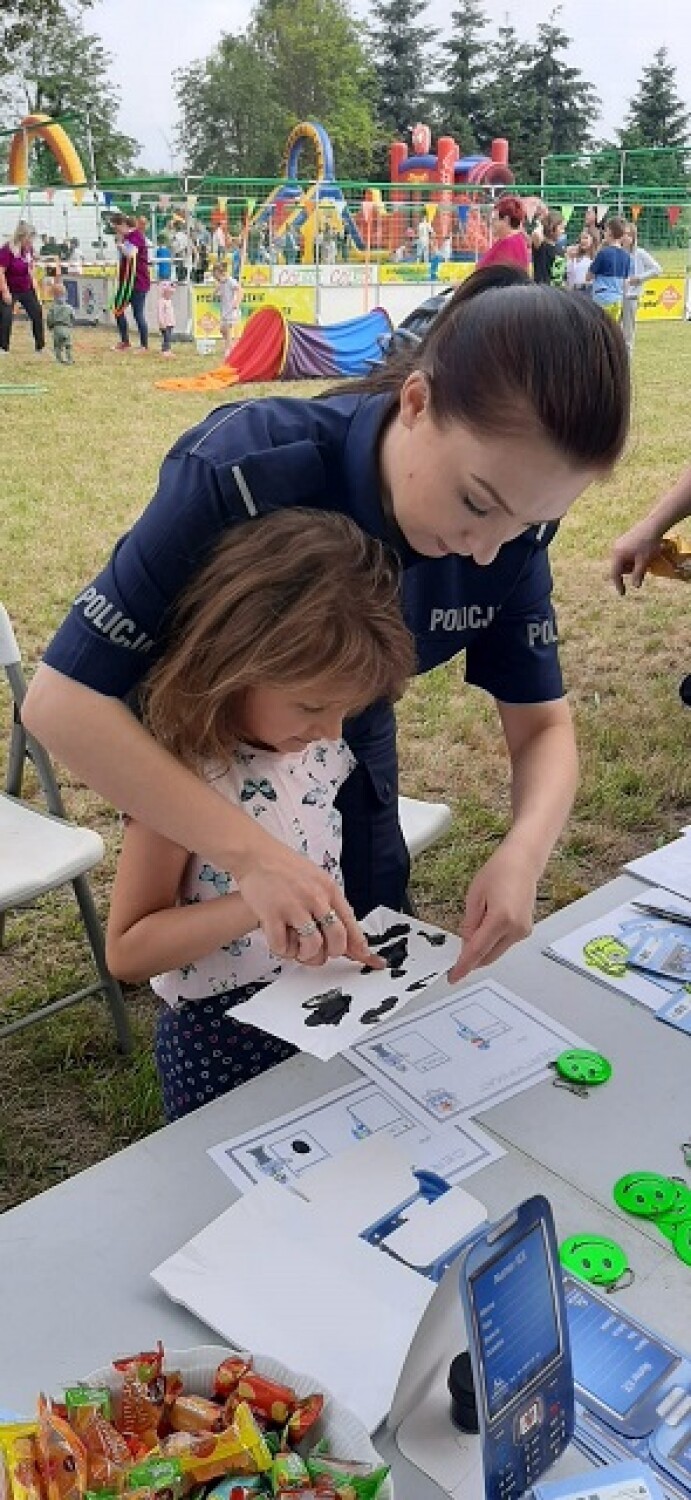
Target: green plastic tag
x,y
645,1193
580,1066
682,1241
593,1258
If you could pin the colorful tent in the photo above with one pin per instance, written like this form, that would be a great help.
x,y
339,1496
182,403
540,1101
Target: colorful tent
x,y
271,348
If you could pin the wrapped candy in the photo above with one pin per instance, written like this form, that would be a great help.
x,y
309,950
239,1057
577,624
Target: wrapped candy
x,y
266,1397
351,1481
107,1453
61,1456
237,1487
19,1473
85,1398
227,1375
303,1416
204,1456
289,1473
139,1414
155,1479
196,1414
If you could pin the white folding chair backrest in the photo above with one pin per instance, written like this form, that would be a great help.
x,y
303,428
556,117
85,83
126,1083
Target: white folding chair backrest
x,y
422,823
9,650
39,853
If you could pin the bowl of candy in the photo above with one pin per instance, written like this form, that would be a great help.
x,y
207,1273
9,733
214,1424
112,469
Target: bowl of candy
x,y
192,1424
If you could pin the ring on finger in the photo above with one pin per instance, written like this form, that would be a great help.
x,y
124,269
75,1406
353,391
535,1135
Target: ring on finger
x,y
306,929
328,918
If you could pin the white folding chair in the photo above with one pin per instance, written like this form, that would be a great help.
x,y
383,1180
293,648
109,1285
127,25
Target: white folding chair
x,y
422,823
40,851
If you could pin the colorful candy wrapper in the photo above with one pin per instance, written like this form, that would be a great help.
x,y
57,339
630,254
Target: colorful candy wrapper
x,y
196,1414
227,1375
139,1414
289,1473
157,1479
147,1367
61,1456
204,1456
19,1473
266,1397
304,1415
237,1487
351,1481
107,1453
81,1398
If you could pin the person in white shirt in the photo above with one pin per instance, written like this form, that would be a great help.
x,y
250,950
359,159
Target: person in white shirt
x,y
644,266
578,258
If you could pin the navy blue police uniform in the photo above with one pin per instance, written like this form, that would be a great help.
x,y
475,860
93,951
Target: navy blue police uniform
x,y
247,460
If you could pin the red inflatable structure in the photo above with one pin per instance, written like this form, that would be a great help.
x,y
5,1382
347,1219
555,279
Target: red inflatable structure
x,y
456,176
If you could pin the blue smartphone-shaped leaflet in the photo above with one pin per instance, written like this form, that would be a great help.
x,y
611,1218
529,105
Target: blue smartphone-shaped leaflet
x,y
512,1294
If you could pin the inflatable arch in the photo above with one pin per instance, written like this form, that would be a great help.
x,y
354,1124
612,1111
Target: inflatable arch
x,y
57,141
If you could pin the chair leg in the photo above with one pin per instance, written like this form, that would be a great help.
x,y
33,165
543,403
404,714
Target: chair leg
x,y
109,984
15,759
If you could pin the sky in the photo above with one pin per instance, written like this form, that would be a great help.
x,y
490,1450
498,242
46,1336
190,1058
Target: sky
x,y
612,43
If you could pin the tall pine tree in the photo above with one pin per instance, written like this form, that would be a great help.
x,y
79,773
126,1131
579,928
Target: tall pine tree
x,y
656,113
508,96
401,58
560,106
465,103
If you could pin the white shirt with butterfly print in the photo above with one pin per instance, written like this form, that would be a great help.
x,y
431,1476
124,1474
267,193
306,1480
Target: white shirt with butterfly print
x,y
293,798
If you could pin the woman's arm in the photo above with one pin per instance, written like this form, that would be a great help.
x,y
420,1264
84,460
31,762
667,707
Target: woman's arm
x,y
147,932
106,747
544,776
5,293
632,552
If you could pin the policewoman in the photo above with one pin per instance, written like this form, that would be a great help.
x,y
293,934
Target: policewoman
x,y
464,454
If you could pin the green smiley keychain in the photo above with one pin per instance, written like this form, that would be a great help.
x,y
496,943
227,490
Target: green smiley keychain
x,y
647,1194
597,1259
578,1069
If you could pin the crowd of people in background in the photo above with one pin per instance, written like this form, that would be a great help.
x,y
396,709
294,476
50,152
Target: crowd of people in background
x,y
605,262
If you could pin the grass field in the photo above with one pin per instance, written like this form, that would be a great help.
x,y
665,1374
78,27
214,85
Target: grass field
x,y
80,461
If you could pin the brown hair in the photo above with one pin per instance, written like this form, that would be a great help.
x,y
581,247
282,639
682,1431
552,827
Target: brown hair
x,y
289,598
615,228
507,356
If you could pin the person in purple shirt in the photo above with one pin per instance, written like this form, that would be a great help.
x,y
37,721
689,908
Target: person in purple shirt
x,y
17,285
132,248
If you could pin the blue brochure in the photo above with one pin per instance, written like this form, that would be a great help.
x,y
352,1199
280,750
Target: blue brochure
x,y
618,1481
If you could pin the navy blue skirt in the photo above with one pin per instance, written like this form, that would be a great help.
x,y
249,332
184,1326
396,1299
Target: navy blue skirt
x,y
202,1053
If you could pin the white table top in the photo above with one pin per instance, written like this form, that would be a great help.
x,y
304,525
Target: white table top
x,y
75,1261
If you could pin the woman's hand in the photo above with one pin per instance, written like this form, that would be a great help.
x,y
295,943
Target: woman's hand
x,y
303,912
498,910
633,552
6,297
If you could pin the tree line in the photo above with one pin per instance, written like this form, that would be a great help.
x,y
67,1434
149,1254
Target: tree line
x,y
368,84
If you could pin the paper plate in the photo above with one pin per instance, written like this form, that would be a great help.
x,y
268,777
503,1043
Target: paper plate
x,y
346,1435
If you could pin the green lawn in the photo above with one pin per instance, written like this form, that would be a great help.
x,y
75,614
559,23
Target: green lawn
x,y
79,463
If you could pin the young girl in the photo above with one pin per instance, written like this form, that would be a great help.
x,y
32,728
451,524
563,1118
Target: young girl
x,y
294,624
166,317
228,295
578,260
643,266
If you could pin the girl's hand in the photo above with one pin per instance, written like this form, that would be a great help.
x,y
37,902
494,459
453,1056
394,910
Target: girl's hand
x,y
498,909
632,553
289,893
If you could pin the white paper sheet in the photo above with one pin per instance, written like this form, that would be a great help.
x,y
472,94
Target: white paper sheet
x,y
274,1274
669,866
462,1055
324,1011
599,948
288,1148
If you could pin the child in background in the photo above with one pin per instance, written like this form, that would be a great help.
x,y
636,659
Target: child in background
x,y
549,261
292,625
610,269
166,317
643,266
60,317
579,258
228,295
